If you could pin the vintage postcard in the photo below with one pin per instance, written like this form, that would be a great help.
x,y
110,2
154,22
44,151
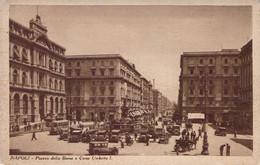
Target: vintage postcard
x,y
125,82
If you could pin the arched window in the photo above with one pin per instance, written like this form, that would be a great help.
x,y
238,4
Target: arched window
x,y
55,66
15,77
16,55
61,85
51,103
56,85
50,64
25,104
24,56
61,69
50,83
56,106
61,105
24,78
16,103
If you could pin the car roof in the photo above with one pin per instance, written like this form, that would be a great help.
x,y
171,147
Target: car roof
x,y
95,142
116,130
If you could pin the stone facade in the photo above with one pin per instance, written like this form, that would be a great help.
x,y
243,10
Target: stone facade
x,y
209,81
245,103
37,73
99,86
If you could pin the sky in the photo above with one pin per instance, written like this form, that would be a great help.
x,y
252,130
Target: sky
x,y
151,37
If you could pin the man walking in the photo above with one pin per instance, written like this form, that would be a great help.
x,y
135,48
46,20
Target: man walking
x,y
222,149
228,150
33,136
135,135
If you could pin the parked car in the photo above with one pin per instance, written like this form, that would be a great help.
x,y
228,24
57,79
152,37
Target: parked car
x,y
97,148
221,131
75,136
142,137
158,132
115,137
163,139
89,135
174,129
101,135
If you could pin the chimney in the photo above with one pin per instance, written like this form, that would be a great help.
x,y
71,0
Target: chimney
x,y
153,83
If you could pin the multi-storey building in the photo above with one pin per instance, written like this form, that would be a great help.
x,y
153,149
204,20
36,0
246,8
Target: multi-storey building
x,y
246,90
144,93
37,76
99,86
209,81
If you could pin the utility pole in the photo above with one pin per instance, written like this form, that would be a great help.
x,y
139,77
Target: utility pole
x,y
205,137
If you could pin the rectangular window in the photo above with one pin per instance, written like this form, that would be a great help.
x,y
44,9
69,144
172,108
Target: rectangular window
x,y
102,72
102,100
78,72
210,71
235,71
191,71
93,72
111,72
102,91
93,101
210,92
111,100
191,91
69,73
225,91
211,61
226,71
111,91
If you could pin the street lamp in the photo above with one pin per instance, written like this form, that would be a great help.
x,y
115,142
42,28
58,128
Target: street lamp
x,y
205,137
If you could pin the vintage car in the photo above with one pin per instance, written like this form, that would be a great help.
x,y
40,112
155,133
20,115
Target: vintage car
x,y
142,137
158,132
75,136
221,131
97,148
174,129
101,135
89,135
64,133
115,137
163,139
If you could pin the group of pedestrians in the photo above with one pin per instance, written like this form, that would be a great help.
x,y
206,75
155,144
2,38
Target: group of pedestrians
x,y
222,147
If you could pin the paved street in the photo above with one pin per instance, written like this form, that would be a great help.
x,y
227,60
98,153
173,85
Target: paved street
x,y
51,145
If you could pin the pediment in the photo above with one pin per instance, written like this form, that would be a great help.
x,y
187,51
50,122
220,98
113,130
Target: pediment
x,y
43,40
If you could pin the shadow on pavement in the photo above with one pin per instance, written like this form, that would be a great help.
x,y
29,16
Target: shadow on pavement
x,y
18,152
245,142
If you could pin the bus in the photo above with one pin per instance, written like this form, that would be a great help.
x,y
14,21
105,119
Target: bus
x,y
57,125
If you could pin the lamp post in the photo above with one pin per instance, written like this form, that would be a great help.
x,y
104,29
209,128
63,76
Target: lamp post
x,y
205,137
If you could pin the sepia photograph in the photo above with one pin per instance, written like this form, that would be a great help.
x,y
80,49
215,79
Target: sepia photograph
x,y
131,80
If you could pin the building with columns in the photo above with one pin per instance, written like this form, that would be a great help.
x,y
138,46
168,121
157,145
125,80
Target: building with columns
x,y
37,73
209,81
101,87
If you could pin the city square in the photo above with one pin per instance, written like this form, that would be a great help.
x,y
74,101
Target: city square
x,y
73,95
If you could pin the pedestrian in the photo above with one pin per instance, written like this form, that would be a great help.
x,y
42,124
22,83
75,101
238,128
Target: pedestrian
x,y
188,135
147,140
33,136
135,135
228,150
122,143
195,142
194,135
235,133
177,149
25,128
222,149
